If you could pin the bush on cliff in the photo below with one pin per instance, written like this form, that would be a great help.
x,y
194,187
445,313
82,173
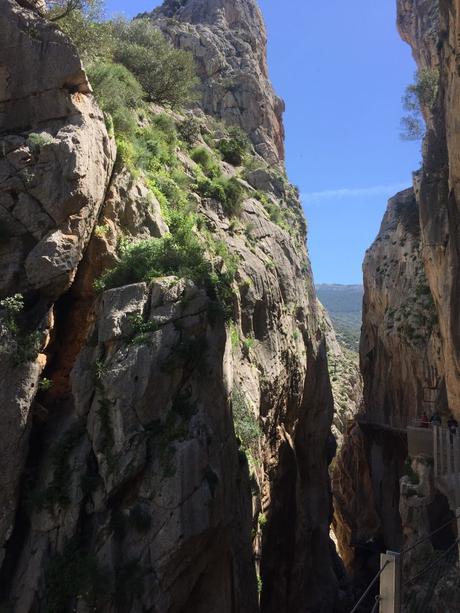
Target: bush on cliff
x,y
168,75
229,192
181,253
420,96
83,22
205,159
118,93
234,147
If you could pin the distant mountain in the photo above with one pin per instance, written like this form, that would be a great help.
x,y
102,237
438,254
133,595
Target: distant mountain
x,y
344,305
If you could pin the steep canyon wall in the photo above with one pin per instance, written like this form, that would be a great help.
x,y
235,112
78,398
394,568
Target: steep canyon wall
x,y
409,345
123,486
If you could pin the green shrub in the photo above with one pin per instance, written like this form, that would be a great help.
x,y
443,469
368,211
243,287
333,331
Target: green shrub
x,y
37,140
234,148
205,159
234,336
229,192
246,425
74,574
22,346
45,384
141,329
155,146
189,130
262,519
168,75
248,343
179,253
167,125
118,93
419,96
84,24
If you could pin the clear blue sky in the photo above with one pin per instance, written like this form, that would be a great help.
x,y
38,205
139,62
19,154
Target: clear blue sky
x,y
342,69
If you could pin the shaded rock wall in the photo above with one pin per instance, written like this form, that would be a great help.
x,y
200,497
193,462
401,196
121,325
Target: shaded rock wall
x,y
401,364
410,344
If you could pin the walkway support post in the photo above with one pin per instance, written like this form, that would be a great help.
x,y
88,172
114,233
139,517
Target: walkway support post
x,y
435,452
456,451
390,582
458,533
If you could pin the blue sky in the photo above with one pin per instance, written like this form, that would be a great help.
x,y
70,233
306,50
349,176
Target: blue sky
x,y
342,70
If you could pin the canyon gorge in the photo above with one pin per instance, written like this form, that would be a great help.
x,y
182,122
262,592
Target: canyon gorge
x,y
181,430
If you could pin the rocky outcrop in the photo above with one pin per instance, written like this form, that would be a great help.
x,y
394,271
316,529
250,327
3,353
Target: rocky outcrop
x,y
429,568
345,376
55,163
400,343
432,30
401,364
229,41
56,156
410,345
179,460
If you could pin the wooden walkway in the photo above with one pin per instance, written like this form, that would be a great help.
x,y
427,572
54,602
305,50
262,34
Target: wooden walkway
x,y
432,441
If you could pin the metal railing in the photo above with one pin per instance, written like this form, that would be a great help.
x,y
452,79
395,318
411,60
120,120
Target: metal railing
x,y
392,588
446,455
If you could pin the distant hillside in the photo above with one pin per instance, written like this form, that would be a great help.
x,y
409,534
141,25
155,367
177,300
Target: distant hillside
x,y
344,305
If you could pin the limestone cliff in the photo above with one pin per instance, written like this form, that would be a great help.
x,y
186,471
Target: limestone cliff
x,y
177,444
400,343
56,160
432,30
228,41
410,344
346,380
401,368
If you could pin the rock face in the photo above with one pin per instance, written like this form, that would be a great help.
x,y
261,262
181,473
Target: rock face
x,y
402,370
228,41
432,30
56,156
400,343
55,163
346,380
410,343
129,490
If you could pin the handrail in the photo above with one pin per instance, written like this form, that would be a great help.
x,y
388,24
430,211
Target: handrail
x,y
425,538
432,564
368,589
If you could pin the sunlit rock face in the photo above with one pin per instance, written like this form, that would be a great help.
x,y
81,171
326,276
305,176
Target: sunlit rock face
x,y
123,485
400,343
55,163
432,30
229,43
